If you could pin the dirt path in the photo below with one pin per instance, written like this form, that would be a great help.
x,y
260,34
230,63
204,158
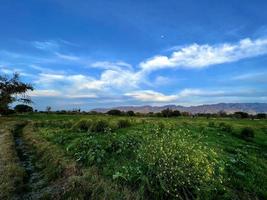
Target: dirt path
x,y
33,182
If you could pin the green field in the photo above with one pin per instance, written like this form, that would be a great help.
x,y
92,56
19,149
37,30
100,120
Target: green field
x,y
50,156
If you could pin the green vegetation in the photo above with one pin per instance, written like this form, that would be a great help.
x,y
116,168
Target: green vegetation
x,y
21,108
12,90
128,157
11,173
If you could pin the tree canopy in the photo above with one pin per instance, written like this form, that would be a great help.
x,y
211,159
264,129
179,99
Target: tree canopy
x,y
21,108
114,112
12,90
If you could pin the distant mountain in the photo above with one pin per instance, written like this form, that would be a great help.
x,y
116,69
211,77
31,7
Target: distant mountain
x,y
251,108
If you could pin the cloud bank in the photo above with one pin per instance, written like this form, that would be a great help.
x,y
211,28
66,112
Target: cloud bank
x,y
200,56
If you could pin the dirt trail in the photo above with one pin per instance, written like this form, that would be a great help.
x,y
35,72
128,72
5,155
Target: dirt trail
x,y
33,181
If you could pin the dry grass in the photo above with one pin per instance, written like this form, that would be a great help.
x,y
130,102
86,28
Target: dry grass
x,y
11,173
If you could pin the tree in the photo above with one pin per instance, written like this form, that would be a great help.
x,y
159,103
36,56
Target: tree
x,y
114,112
261,115
12,90
241,115
166,112
176,113
48,109
21,108
130,113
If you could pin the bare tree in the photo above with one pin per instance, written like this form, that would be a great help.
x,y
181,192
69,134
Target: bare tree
x,y
48,109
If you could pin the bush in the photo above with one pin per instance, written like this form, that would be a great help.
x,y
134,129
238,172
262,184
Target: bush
x,y
261,116
241,115
114,112
211,124
130,113
226,127
123,123
21,108
83,125
247,133
100,126
178,166
6,112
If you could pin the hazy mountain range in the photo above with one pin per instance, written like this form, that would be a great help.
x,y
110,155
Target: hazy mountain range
x,y
251,108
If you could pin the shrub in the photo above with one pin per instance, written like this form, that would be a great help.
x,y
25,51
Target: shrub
x,y
211,124
87,150
247,133
114,112
185,123
21,108
123,123
82,125
161,126
261,116
226,127
130,113
100,126
67,124
178,166
241,115
176,113
166,112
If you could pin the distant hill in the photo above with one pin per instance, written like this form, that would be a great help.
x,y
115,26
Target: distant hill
x,y
251,108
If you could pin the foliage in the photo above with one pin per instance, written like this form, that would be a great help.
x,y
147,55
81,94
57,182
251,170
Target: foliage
x,y
211,124
130,113
12,173
247,133
154,155
21,108
175,165
123,123
10,89
100,126
226,127
261,115
241,115
114,112
82,125
166,112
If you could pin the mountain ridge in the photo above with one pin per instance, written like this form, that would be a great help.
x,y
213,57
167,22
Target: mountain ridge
x,y
252,108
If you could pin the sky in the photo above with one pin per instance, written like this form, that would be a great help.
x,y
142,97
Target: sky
x,y
87,54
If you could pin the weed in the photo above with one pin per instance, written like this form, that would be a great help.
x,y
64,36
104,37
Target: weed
x,y
123,123
247,133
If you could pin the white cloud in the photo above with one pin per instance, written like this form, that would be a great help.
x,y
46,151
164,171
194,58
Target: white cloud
x,y
199,92
45,93
110,81
67,57
111,65
254,76
200,56
188,94
49,45
56,93
151,96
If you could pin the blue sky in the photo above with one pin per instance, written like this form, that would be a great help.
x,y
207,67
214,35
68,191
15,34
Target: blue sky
x,y
87,54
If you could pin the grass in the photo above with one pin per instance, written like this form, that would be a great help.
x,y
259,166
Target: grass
x,y
12,173
104,157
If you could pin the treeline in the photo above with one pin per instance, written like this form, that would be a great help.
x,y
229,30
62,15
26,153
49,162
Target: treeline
x,y
176,113
164,113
